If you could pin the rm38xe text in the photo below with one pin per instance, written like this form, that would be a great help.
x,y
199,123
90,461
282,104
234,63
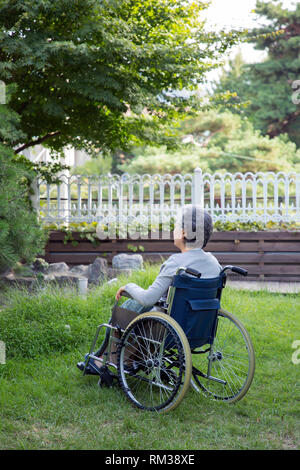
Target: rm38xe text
x,y
169,459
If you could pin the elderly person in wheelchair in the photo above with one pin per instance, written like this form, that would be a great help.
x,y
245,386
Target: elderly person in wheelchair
x,y
152,337
192,232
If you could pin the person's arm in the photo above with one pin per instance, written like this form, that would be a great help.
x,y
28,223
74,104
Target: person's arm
x,y
150,296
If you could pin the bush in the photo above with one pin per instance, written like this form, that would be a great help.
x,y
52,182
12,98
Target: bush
x,y
21,236
35,324
218,142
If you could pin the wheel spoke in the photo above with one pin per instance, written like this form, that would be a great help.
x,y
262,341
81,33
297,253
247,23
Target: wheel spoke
x,y
149,373
231,359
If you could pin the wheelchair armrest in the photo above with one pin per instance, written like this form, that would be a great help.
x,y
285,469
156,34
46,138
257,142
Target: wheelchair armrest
x,y
126,294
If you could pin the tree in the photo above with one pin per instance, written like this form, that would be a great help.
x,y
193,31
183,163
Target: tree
x,y
21,236
100,74
268,86
218,142
229,91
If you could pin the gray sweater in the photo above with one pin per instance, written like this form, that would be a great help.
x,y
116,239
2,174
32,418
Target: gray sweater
x,y
198,259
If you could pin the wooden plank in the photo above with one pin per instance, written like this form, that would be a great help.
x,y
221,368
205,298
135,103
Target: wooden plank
x,y
277,257
287,278
216,236
240,258
153,246
276,236
268,255
284,273
121,246
73,258
282,269
287,246
231,246
88,258
223,257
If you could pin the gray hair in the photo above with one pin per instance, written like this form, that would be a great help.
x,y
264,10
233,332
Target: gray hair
x,y
198,225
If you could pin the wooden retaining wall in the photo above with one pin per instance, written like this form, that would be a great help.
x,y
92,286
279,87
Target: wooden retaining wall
x,y
272,256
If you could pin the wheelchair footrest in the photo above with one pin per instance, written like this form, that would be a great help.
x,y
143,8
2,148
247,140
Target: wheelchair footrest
x,y
106,377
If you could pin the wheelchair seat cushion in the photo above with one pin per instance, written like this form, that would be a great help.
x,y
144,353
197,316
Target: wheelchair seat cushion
x,y
121,317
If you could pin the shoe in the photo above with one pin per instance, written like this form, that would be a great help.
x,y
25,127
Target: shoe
x,y
91,368
80,365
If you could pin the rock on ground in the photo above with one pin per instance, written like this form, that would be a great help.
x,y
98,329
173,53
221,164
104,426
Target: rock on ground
x,y
126,261
58,268
97,272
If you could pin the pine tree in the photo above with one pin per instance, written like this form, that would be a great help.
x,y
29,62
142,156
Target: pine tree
x,y
268,86
21,236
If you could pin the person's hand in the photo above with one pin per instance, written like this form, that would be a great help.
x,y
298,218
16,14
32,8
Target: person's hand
x,y
119,292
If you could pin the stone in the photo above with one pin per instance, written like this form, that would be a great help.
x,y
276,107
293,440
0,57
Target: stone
x,y
40,265
126,261
6,272
114,272
49,277
97,272
81,269
111,281
62,278
58,268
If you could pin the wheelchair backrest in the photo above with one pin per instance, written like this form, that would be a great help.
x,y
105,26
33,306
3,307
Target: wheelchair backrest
x,y
194,305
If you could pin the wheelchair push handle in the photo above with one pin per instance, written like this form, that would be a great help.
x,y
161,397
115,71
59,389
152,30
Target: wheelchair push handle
x,y
191,271
236,269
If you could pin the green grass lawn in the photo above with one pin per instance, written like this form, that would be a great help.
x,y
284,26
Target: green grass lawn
x,y
45,402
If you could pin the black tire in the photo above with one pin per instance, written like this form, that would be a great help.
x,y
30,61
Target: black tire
x,y
154,362
232,361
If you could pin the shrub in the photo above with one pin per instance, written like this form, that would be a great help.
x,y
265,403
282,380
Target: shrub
x,y
21,236
35,324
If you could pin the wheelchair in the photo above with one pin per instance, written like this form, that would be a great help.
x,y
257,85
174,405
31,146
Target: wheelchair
x,y
191,341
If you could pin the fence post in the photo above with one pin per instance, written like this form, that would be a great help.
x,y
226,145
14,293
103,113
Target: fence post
x,y
198,188
2,352
82,285
34,197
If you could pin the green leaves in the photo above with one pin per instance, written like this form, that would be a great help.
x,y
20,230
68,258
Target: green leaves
x,y
267,86
219,141
81,67
21,236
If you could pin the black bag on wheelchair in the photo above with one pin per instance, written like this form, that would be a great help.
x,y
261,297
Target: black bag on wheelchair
x,y
195,305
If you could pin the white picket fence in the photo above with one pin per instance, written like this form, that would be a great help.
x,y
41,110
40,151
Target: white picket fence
x,y
227,197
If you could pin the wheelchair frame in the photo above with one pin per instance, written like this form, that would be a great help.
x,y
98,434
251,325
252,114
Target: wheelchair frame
x,y
206,382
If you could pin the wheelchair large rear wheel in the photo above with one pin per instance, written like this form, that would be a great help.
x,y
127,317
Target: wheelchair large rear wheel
x,y
230,363
154,362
